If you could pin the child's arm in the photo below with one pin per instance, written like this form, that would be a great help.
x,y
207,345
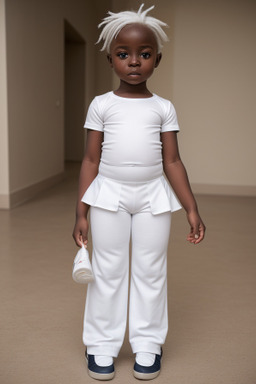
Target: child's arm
x,y
177,176
89,171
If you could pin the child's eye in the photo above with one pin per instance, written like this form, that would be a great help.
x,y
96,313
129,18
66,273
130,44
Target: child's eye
x,y
145,55
122,55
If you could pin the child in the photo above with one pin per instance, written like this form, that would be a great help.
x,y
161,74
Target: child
x,y
131,141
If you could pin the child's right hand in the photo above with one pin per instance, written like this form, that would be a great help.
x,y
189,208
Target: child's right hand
x,y
80,232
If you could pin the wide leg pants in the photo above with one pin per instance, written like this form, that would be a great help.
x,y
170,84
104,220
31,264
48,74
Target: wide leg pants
x,y
107,299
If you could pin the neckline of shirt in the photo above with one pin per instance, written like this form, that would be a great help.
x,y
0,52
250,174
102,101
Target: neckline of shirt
x,y
132,98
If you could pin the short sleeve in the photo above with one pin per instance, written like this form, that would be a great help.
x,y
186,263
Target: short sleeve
x,y
94,119
170,121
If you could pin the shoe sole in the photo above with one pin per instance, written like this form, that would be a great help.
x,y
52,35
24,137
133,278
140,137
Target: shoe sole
x,y
100,376
145,376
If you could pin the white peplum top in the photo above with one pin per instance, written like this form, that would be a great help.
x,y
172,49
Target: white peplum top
x,y
131,149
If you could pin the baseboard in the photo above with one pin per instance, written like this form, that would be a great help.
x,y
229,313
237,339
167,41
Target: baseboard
x,y
4,201
225,190
23,195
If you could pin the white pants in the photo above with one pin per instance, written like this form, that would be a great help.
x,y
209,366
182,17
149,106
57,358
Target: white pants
x,y
107,297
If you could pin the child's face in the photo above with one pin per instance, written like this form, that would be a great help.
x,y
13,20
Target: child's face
x,y
133,54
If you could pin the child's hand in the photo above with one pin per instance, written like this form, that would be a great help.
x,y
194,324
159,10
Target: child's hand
x,y
197,226
80,232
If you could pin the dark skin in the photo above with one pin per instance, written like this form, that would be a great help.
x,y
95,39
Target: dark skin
x,y
134,57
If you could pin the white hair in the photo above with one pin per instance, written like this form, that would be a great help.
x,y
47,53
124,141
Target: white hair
x,y
116,21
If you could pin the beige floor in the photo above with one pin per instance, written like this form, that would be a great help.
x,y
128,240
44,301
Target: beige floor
x,y
212,335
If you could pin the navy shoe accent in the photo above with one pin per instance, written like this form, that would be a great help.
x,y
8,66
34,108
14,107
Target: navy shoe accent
x,y
97,372
148,373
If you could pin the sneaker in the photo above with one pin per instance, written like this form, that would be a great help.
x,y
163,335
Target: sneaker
x,y
99,372
145,372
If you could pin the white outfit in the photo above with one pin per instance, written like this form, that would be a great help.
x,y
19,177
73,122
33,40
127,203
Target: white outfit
x,y
129,198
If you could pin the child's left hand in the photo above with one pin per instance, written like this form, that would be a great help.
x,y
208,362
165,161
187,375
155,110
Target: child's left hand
x,y
197,231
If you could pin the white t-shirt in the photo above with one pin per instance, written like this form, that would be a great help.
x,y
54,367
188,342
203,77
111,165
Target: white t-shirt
x,y
131,128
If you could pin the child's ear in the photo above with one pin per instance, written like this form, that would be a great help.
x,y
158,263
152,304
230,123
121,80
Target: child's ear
x,y
158,59
109,59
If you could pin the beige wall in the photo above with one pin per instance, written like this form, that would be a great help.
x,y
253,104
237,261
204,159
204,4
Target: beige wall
x,y
214,92
103,81
4,163
35,87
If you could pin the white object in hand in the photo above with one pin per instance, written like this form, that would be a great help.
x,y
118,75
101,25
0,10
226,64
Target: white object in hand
x,y
82,270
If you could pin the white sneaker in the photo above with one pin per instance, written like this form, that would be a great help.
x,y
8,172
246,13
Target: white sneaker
x,y
97,368
147,366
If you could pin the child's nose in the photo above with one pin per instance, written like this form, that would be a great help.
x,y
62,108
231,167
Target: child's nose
x,y
134,61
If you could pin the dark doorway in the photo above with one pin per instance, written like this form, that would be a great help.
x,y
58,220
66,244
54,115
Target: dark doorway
x,y
74,107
